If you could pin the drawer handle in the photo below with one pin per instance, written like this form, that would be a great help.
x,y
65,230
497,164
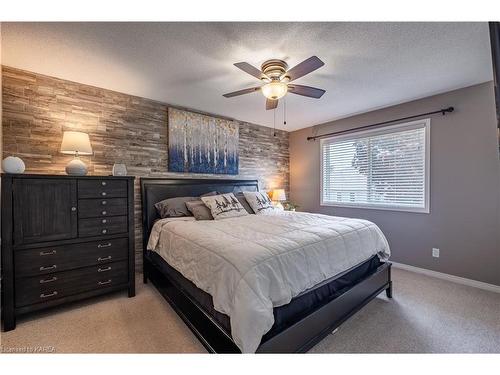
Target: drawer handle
x,y
104,231
44,281
103,193
101,245
43,295
43,253
73,209
104,221
52,267
104,212
104,269
104,282
103,183
104,203
106,258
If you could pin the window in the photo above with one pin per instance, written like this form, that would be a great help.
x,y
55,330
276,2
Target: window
x,y
386,168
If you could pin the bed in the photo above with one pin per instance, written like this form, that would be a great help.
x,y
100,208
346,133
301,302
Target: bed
x,y
260,283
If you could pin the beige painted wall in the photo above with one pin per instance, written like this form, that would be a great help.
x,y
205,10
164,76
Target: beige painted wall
x,y
464,221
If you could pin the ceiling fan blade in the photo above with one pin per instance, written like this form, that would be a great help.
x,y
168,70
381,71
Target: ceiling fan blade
x,y
305,67
271,104
241,92
250,69
309,91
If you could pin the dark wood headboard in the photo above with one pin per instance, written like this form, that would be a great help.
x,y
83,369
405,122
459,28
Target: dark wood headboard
x,y
154,190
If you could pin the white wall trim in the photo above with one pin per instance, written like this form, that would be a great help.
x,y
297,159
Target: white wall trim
x,y
448,277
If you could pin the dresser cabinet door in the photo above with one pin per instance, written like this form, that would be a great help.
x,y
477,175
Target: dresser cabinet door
x,y
44,210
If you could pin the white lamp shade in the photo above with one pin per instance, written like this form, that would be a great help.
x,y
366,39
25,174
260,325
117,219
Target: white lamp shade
x,y
278,195
76,142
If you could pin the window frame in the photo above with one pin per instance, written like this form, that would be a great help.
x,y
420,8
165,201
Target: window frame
x,y
424,123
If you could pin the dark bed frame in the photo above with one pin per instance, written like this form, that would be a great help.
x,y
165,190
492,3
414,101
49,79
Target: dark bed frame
x,y
301,336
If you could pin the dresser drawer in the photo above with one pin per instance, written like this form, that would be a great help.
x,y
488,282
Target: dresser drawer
x,y
47,260
62,284
102,188
102,226
102,207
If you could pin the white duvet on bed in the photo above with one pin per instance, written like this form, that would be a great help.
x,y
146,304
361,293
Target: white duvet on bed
x,y
253,263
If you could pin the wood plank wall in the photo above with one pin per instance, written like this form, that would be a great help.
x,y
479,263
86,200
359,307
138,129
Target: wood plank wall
x,y
122,128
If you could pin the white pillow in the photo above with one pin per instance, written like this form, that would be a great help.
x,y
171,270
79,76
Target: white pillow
x,y
260,202
224,206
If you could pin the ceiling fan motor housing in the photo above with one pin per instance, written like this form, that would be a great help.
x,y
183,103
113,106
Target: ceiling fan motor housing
x,y
274,68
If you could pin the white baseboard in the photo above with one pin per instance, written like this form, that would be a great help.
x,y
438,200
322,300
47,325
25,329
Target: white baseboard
x,y
448,277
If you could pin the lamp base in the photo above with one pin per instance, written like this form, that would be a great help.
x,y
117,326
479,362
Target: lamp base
x,y
76,167
278,205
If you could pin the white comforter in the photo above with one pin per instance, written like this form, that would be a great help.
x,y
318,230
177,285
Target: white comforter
x,y
253,263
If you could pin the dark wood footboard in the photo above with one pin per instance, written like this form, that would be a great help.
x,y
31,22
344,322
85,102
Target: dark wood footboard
x,y
306,333
298,338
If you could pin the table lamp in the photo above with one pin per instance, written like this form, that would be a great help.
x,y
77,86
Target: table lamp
x,y
278,196
76,143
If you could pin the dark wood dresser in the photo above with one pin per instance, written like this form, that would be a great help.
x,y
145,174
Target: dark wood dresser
x,y
64,238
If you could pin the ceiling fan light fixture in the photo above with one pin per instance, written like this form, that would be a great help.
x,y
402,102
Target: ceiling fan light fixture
x,y
274,90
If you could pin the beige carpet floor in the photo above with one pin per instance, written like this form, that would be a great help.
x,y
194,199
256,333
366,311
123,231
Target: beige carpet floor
x,y
426,315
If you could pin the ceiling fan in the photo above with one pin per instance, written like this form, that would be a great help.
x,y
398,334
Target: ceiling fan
x,y
276,76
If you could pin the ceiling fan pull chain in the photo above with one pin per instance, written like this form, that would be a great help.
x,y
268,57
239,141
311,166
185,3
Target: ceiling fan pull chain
x,y
284,111
274,122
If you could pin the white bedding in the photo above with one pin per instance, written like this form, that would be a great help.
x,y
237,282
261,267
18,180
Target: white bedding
x,y
253,263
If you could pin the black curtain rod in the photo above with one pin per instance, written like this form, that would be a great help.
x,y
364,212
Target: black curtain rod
x,y
443,111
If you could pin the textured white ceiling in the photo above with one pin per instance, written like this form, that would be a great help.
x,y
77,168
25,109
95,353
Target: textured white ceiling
x,y
367,65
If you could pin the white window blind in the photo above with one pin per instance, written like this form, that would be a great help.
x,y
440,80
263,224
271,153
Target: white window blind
x,y
385,168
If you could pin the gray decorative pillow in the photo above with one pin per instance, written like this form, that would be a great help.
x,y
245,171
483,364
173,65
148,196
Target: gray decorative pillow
x,y
241,198
259,201
199,210
174,207
224,206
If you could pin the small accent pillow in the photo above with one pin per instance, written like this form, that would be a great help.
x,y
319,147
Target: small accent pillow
x,y
259,201
199,210
224,206
241,198
174,207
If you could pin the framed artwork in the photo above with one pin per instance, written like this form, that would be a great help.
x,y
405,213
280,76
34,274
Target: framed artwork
x,y
202,144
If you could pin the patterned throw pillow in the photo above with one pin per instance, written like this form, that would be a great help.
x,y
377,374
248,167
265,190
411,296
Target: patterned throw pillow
x,y
224,206
259,201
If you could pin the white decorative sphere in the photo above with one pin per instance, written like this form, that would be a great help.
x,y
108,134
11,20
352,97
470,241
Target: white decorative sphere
x,y
13,164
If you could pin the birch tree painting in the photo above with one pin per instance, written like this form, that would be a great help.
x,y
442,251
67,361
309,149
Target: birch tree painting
x,y
201,144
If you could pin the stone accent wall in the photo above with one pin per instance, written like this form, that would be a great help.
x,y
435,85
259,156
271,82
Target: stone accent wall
x,y
122,128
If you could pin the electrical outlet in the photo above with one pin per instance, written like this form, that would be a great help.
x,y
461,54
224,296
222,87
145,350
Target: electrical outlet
x,y
435,252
